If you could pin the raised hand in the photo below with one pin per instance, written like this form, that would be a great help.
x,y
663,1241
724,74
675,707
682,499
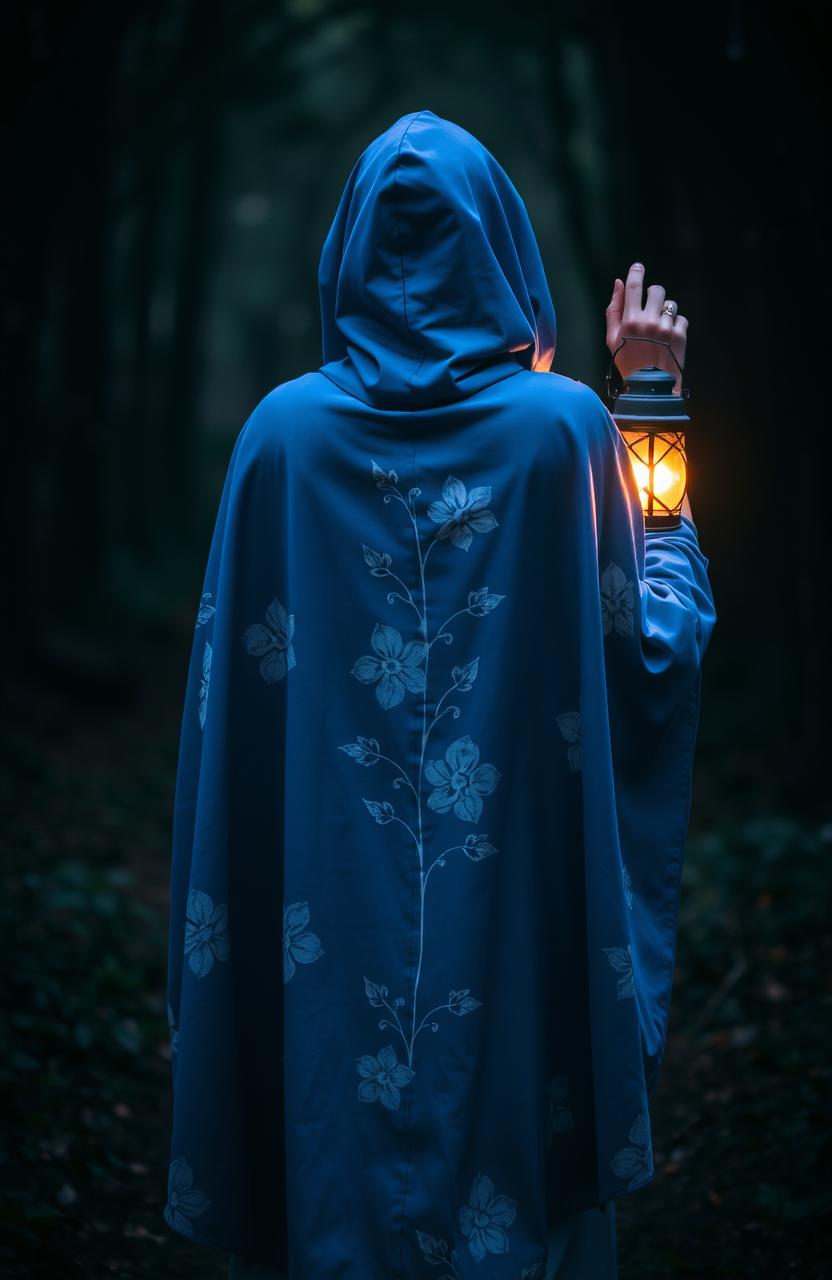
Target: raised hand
x,y
629,316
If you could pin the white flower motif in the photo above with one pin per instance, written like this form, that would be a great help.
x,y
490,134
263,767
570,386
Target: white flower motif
x,y
184,1202
207,654
396,666
621,959
484,1219
460,781
569,724
383,1077
617,594
635,1162
206,933
462,514
272,643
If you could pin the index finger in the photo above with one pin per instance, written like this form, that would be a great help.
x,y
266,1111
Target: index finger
x,y
633,292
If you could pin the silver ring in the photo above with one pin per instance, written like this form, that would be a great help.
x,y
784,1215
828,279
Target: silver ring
x,y
669,309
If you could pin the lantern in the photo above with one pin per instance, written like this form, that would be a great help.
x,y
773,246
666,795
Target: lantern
x,y
652,421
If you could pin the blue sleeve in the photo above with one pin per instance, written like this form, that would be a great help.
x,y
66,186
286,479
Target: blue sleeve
x,y
657,615
677,604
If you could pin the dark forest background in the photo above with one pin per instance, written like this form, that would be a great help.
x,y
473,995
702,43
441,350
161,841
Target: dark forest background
x,y
171,172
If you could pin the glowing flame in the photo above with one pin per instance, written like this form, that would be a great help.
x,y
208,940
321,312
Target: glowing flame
x,y
664,478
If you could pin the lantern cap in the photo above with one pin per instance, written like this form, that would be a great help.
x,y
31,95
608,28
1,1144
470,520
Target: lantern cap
x,y
647,396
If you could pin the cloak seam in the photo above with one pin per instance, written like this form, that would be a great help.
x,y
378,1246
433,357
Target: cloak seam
x,y
401,253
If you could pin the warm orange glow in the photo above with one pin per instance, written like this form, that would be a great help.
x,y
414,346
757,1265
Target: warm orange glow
x,y
663,477
660,468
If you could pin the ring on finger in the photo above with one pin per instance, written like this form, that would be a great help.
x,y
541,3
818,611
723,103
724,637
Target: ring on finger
x,y
670,309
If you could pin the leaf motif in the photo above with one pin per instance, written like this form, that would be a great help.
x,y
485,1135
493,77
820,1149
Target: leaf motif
x,y
463,677
481,602
620,959
478,847
630,1163
379,561
569,724
376,993
384,479
381,810
460,1002
435,1251
365,751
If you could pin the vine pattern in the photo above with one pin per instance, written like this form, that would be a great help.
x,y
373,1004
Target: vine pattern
x,y
457,783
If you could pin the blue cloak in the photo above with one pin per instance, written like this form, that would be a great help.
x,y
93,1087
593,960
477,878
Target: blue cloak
x,y
435,769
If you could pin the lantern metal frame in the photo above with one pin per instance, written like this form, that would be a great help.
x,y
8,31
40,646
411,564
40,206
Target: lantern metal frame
x,y
656,342
669,518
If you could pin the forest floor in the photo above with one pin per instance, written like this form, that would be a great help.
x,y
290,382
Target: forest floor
x,y
741,1116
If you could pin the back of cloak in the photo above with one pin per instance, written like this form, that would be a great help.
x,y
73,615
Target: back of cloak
x,y
435,769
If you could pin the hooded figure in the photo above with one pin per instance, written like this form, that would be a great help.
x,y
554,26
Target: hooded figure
x,y
435,769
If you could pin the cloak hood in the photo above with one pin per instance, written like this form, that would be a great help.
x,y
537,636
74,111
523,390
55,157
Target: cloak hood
x,y
431,281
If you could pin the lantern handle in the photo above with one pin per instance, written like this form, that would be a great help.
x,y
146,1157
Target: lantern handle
x,y
685,392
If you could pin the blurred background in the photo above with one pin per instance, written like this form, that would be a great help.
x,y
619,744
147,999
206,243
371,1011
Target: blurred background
x,y
172,170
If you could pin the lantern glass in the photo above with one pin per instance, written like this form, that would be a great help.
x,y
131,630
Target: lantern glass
x,y
659,464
